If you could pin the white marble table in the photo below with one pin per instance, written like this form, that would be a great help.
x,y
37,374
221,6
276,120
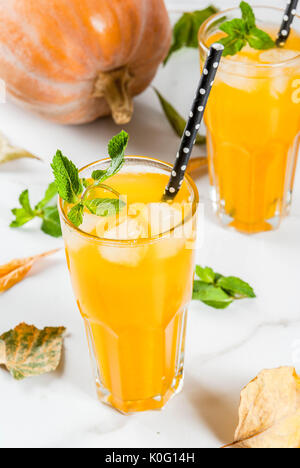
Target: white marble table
x,y
225,349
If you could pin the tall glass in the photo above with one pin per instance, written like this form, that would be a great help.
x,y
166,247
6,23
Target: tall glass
x,y
253,128
133,296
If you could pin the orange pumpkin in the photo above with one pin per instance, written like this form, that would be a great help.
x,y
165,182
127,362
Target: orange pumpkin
x,y
73,61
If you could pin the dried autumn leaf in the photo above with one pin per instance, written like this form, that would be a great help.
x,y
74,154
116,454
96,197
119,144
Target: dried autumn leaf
x,y
27,351
9,152
16,270
197,166
269,415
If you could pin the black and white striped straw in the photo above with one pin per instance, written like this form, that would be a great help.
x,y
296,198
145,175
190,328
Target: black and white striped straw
x,y
288,18
195,118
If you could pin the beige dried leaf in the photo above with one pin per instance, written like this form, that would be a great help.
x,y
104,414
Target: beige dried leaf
x,y
16,270
27,351
269,415
9,152
197,166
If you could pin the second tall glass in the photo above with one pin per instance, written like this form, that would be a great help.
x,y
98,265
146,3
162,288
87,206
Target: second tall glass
x,y
253,125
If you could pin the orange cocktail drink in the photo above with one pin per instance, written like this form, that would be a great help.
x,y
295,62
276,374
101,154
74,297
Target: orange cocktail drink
x,y
132,276
253,126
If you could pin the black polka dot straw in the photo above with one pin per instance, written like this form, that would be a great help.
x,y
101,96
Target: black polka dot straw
x,y
196,115
287,21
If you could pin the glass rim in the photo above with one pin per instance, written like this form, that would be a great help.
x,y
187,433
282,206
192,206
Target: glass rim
x,y
133,242
268,66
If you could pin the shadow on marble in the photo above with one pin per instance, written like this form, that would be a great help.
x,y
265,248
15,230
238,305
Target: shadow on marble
x,y
218,412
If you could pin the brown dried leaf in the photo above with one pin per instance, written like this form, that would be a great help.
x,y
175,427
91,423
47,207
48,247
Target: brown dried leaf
x,y
2,352
9,152
197,166
16,270
269,415
28,352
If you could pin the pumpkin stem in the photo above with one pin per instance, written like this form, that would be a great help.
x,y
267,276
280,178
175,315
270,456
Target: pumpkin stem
x,y
113,86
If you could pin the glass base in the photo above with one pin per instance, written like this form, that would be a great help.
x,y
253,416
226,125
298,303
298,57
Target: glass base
x,y
138,369
230,221
156,403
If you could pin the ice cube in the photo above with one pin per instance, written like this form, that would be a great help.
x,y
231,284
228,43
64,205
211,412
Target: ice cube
x,y
238,76
279,81
73,240
125,256
108,223
163,217
279,84
136,209
278,55
89,224
128,229
167,248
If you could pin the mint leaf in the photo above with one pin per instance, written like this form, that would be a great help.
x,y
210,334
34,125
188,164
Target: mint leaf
x,y
51,192
232,45
218,276
211,295
235,41
207,275
49,214
86,183
241,32
117,145
116,151
99,175
105,206
75,215
66,177
22,217
185,32
217,291
25,214
260,40
248,16
236,287
51,222
176,121
25,203
235,27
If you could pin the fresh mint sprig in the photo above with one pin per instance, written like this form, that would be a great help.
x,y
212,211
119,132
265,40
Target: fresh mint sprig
x,y
44,210
70,187
116,151
243,31
218,291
